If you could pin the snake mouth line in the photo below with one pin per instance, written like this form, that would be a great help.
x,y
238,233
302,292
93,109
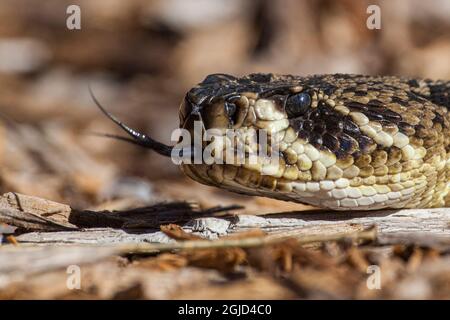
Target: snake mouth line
x,y
247,148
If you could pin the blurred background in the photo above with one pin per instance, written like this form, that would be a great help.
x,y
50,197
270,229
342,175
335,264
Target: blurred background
x,y
140,58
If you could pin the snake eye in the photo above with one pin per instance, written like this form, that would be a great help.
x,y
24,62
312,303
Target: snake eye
x,y
297,104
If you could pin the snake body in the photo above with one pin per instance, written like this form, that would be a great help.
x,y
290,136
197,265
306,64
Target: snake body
x,y
346,142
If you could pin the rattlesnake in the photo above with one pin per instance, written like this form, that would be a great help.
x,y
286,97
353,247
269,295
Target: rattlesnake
x,y
346,142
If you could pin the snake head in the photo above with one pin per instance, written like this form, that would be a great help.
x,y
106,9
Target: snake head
x,y
337,141
343,141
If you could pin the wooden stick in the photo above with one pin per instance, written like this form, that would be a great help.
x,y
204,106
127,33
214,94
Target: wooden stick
x,y
368,234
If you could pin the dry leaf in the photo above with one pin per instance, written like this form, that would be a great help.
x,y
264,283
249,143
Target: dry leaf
x,y
176,232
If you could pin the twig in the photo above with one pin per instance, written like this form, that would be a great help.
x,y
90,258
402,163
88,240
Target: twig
x,y
368,234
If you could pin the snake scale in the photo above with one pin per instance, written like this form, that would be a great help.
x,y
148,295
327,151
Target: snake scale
x,y
346,142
